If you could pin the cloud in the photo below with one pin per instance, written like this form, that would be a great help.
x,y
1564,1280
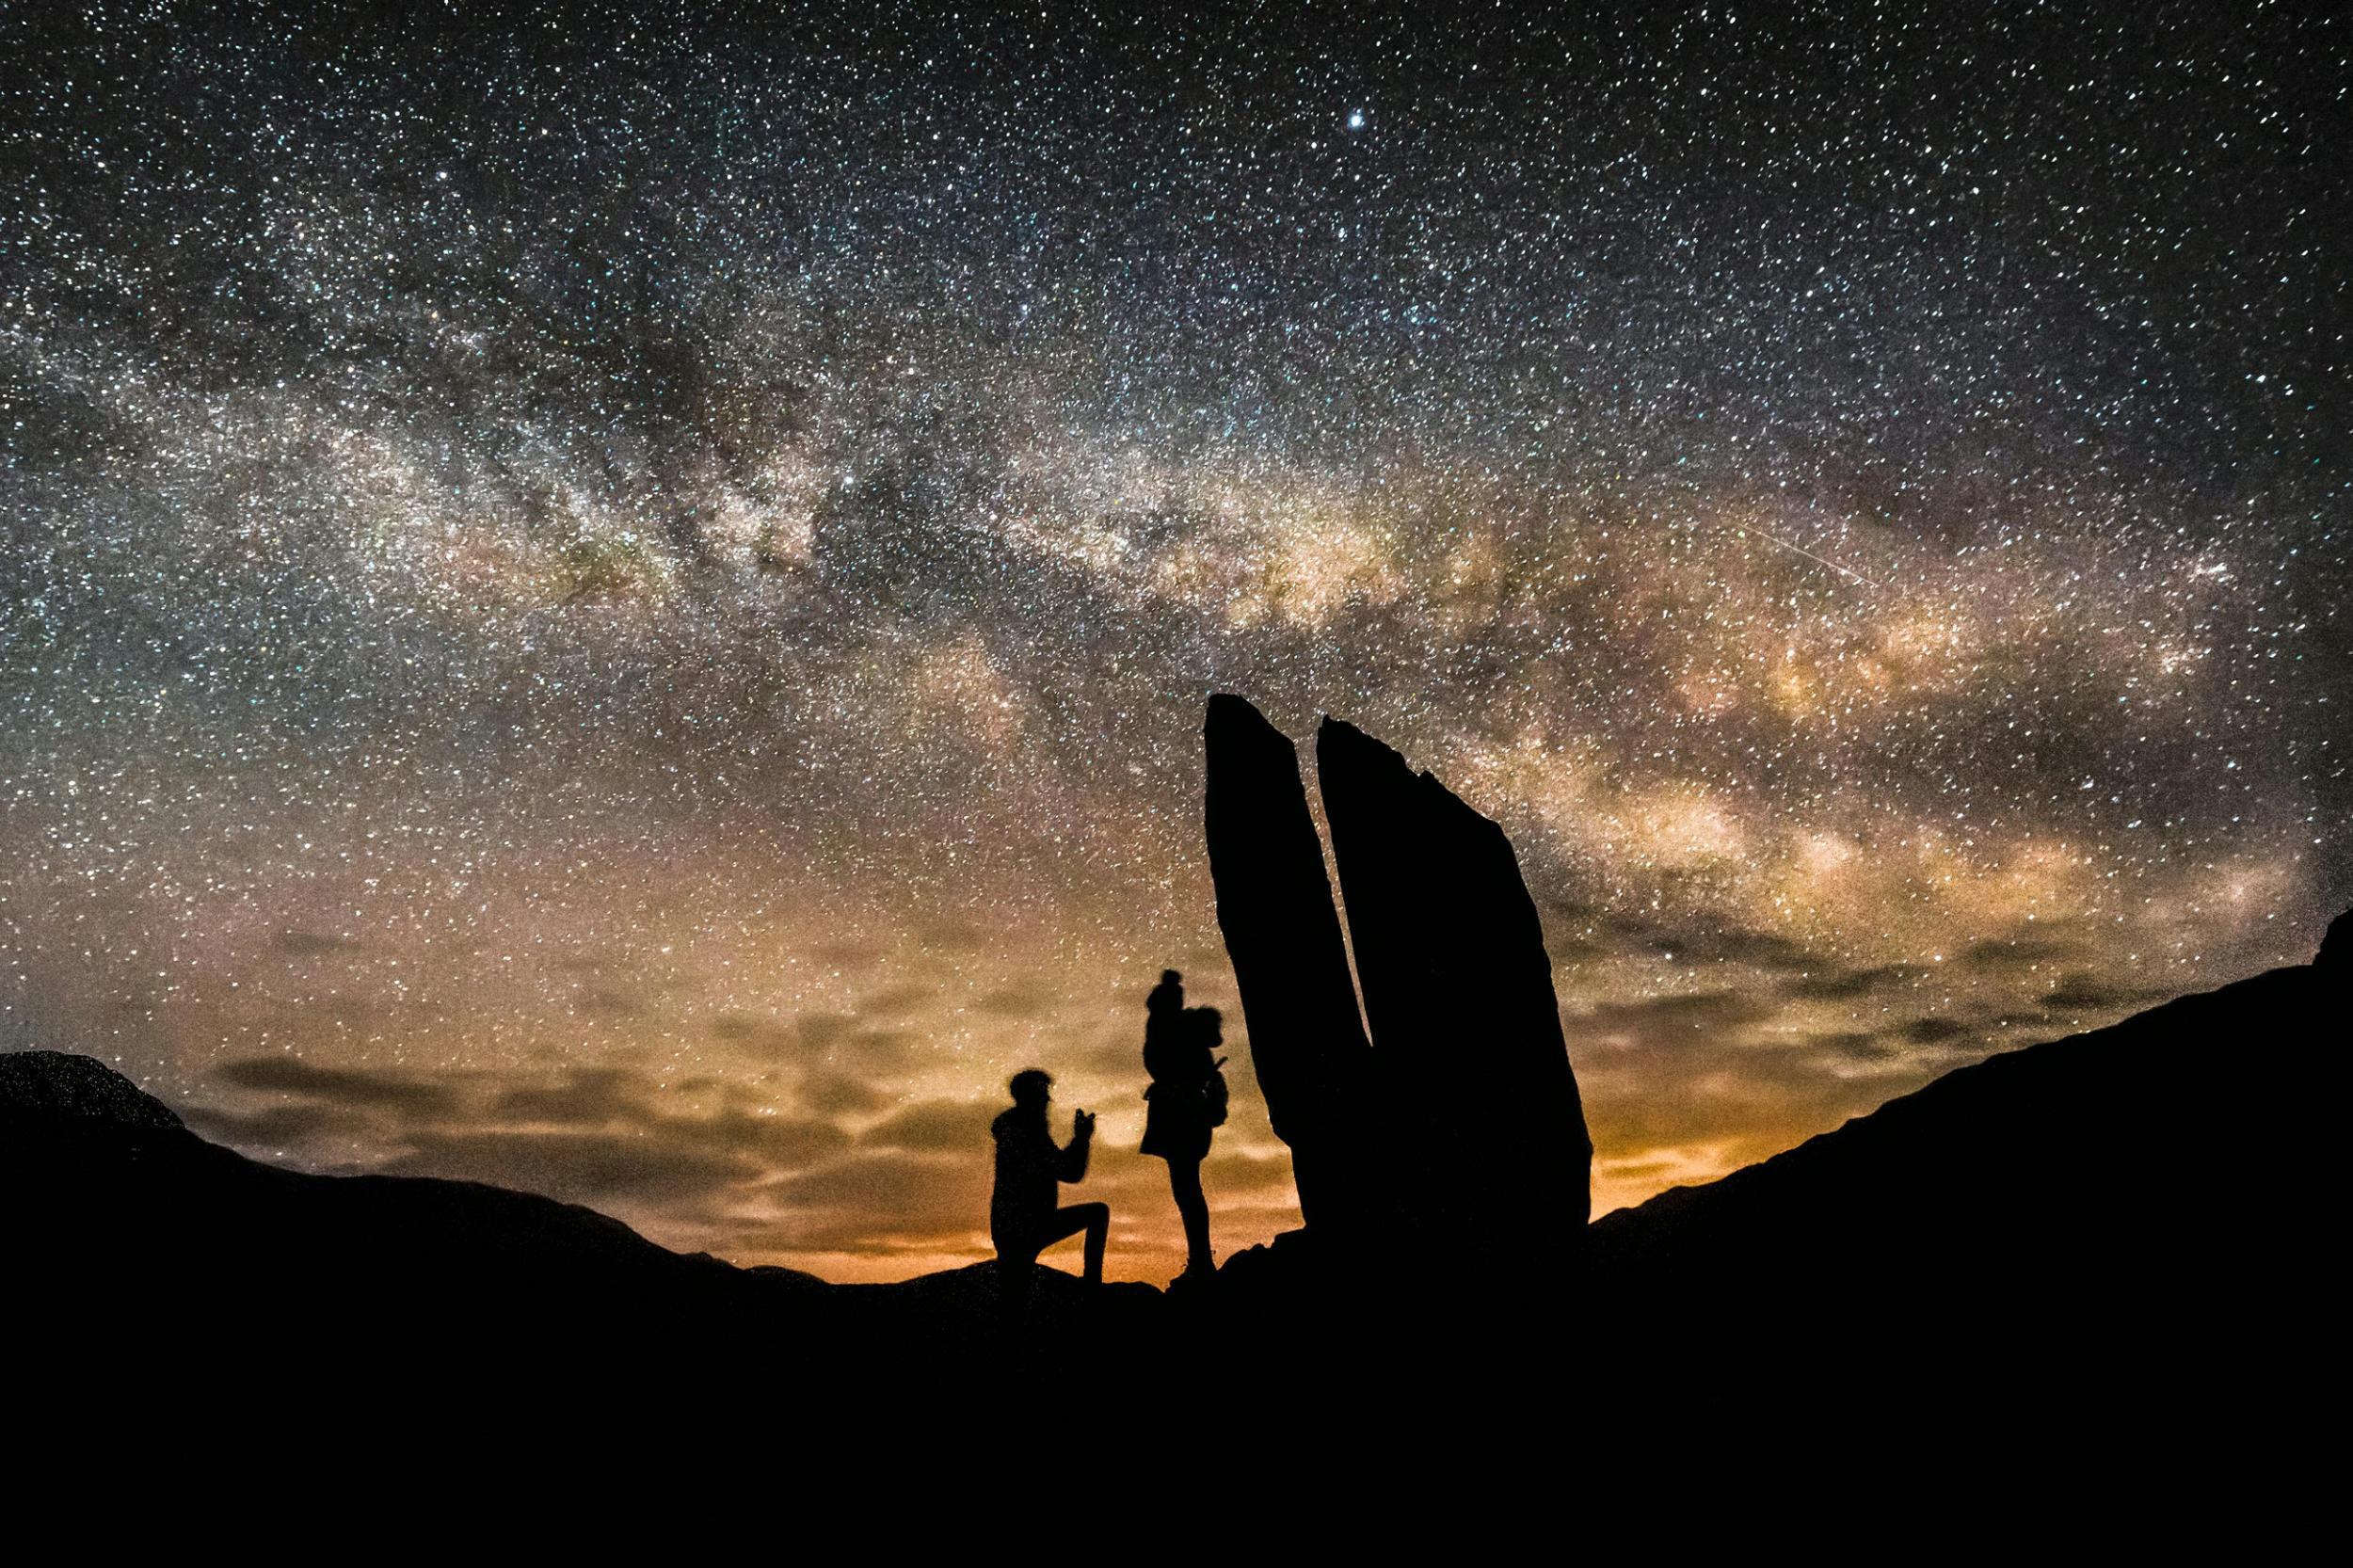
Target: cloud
x,y
1851,1045
873,1050
1734,945
816,1032
1695,1082
1121,1058
1638,1169
1573,949
1027,997
1754,1100
783,1142
394,1092
834,1094
945,933
1670,1021
588,1097
764,1036
2020,952
853,1233
279,1127
1836,985
847,954
1245,1172
592,1135
940,1126
578,1166
603,1001
311,944
893,1002
820,1029
2084,992
895,1190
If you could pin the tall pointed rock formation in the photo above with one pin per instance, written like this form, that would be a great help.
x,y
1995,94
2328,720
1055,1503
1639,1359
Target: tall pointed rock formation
x,y
1459,1123
1275,905
1458,993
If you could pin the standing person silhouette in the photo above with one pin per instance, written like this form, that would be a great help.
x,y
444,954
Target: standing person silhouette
x,y
1185,1101
1024,1213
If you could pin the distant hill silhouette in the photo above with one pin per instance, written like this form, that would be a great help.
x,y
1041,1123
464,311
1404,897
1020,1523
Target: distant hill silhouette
x,y
124,1215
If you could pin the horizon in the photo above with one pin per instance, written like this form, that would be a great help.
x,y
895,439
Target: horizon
x,y
1124,1170
628,615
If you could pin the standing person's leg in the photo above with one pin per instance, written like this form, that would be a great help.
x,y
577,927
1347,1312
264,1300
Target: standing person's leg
x,y
1192,1206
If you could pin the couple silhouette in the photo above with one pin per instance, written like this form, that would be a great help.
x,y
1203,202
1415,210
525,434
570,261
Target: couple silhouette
x,y
1185,1103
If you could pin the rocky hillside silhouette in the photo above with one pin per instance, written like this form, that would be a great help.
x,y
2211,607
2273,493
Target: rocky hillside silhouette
x,y
2157,1172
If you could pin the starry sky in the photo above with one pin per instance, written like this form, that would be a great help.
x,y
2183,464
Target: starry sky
x,y
621,603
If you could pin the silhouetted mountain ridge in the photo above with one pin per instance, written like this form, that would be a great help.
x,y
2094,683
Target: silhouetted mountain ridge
x,y
57,1087
117,1182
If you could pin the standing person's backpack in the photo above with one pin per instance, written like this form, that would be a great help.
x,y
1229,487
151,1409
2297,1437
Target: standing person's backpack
x,y
1213,1095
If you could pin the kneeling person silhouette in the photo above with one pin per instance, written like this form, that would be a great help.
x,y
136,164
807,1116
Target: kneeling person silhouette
x,y
1024,1212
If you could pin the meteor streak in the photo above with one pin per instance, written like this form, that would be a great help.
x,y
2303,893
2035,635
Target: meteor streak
x,y
1800,550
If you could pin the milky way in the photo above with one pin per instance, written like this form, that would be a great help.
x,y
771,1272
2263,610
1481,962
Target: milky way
x,y
622,606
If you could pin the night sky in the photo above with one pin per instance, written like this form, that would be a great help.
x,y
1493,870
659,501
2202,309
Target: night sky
x,y
622,606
